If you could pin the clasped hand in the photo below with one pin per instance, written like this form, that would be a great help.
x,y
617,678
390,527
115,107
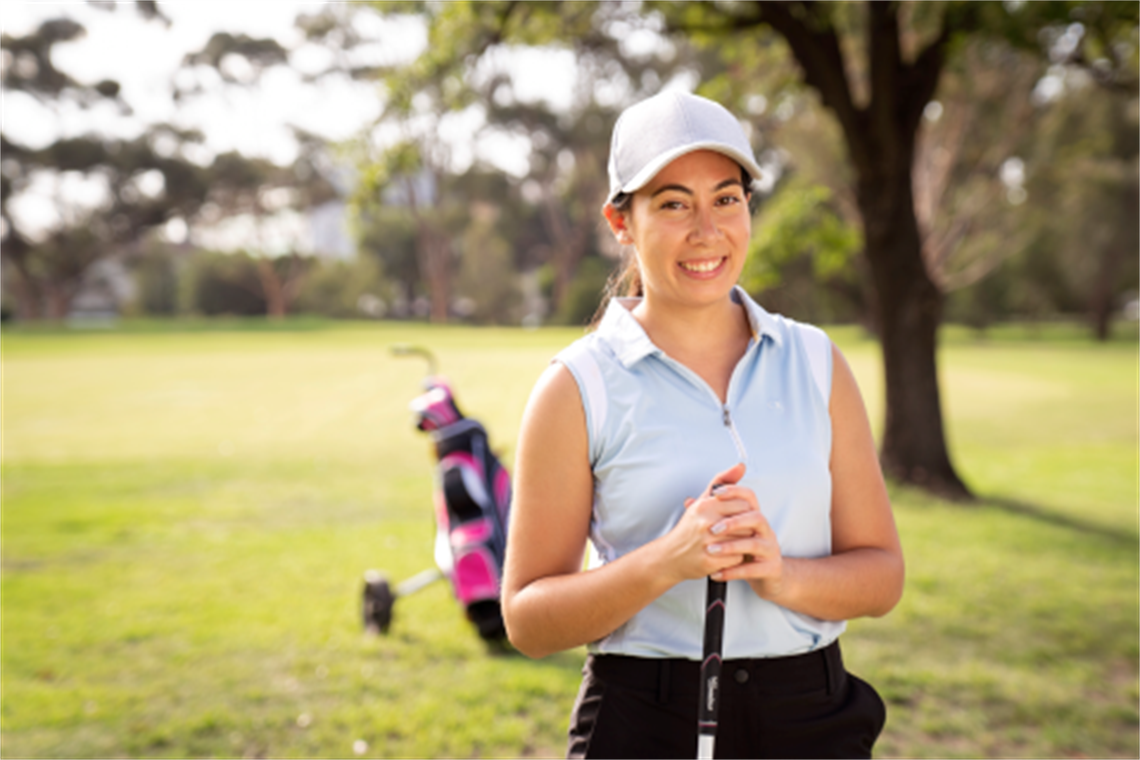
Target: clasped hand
x,y
724,535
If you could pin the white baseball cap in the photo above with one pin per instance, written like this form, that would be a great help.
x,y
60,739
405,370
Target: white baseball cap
x,y
650,134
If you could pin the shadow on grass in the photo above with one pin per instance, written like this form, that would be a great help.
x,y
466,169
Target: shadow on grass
x,y
1046,515
572,659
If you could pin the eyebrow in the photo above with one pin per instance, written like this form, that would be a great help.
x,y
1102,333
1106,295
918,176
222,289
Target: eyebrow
x,y
687,191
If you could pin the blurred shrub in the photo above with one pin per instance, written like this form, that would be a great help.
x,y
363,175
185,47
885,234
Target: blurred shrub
x,y
487,285
344,289
585,292
803,259
215,284
156,282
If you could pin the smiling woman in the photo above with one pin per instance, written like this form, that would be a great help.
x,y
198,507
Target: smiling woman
x,y
698,441
693,224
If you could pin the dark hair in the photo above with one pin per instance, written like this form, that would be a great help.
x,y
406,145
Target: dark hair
x,y
625,281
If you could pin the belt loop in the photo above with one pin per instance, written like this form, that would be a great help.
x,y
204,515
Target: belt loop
x,y
663,673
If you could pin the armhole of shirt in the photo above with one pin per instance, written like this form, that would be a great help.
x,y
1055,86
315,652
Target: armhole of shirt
x,y
818,348
591,387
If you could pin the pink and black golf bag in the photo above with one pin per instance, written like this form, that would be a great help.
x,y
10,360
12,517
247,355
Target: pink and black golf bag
x,y
472,503
472,497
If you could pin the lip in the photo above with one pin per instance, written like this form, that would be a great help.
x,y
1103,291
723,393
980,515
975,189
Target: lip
x,y
703,269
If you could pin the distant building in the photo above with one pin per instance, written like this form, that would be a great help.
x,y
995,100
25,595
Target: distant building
x,y
329,233
107,286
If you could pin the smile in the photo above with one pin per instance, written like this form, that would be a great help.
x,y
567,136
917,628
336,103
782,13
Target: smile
x,y
701,266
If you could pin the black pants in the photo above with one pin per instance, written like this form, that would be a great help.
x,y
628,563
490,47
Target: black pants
x,y
788,707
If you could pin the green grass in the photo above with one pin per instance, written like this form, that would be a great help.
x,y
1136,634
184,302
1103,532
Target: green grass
x,y
187,512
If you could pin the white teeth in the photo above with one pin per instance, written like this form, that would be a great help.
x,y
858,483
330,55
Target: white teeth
x,y
701,266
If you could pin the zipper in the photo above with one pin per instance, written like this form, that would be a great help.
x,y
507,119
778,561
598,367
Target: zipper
x,y
726,413
732,431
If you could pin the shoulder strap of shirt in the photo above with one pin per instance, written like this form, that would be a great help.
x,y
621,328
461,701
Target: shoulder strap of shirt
x,y
818,348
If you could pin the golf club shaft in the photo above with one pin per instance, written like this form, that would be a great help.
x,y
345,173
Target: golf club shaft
x,y
710,669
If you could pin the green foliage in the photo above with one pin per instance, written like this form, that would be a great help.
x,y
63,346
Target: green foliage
x,y
186,517
156,282
803,259
260,53
487,281
796,222
221,284
340,289
585,293
388,235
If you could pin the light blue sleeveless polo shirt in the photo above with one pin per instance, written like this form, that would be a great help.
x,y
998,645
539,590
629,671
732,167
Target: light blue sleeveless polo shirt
x,y
658,434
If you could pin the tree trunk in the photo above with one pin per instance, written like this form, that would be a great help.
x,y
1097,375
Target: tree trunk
x,y
1100,300
275,306
909,306
880,138
29,296
433,252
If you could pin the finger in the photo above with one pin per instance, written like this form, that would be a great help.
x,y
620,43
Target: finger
x,y
731,475
754,548
747,523
737,493
748,571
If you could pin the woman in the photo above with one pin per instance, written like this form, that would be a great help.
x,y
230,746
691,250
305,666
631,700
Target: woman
x,y
690,386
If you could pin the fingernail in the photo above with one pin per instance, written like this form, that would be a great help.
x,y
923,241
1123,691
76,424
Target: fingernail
x,y
717,529
714,549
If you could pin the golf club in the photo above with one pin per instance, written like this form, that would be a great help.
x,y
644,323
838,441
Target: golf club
x,y
710,665
710,669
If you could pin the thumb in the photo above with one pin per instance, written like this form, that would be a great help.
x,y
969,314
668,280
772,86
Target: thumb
x,y
730,476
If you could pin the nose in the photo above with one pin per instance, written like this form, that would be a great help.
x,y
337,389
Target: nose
x,y
704,225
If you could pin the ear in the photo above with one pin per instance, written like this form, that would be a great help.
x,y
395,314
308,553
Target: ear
x,y
618,224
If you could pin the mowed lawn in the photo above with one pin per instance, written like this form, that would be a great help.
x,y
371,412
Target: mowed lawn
x,y
186,518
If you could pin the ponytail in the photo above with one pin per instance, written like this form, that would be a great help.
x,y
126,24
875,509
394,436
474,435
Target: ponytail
x,y
625,281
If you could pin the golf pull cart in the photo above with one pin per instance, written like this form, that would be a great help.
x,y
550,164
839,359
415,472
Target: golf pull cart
x,y
472,501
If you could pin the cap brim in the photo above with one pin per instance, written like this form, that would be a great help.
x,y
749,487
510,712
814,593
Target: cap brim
x,y
650,170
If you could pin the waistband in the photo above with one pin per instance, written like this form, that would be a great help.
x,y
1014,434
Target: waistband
x,y
817,670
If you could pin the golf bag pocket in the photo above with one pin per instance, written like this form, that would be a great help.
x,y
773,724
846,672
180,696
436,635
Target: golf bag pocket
x,y
475,575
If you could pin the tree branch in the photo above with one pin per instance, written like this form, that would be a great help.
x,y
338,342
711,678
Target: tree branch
x,y
815,45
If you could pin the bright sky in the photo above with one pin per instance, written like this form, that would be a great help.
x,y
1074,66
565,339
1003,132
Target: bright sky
x,y
145,56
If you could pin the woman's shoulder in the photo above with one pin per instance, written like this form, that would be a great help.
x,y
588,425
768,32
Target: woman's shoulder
x,y
588,359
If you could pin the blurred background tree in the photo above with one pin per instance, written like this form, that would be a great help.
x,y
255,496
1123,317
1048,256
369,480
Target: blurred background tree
x,y
106,192
875,70
924,161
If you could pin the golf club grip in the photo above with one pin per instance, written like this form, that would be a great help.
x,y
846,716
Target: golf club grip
x,y
710,668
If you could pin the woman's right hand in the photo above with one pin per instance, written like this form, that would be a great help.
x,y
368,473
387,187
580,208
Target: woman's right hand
x,y
693,548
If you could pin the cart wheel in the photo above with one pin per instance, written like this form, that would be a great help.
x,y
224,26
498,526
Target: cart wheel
x,y
377,603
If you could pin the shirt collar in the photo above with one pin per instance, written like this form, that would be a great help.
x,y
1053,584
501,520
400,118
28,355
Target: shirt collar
x,y
629,341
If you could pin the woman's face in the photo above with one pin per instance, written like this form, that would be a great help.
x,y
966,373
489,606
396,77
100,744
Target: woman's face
x,y
690,226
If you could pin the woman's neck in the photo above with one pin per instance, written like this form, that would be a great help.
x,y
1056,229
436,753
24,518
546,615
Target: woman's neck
x,y
708,340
